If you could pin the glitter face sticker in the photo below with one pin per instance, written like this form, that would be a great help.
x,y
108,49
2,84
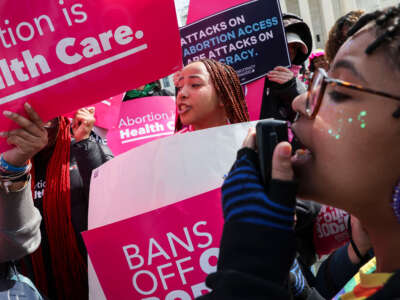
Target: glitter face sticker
x,y
336,133
360,118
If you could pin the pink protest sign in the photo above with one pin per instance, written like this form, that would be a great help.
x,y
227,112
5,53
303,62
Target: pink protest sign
x,y
63,55
199,9
142,120
253,94
156,255
106,112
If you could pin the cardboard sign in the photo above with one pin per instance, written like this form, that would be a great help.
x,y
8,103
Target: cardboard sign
x,y
154,175
157,255
141,121
63,55
250,37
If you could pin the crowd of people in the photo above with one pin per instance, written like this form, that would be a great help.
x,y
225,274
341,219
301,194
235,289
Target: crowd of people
x,y
268,245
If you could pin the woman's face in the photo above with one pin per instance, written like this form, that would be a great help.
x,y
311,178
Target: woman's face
x,y
354,140
320,62
197,101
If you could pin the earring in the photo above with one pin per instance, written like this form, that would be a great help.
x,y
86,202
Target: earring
x,y
396,201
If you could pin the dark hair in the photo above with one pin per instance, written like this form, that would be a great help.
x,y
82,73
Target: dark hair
x,y
387,31
338,33
386,26
229,90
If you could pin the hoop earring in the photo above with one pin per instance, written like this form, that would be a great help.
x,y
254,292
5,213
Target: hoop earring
x,y
396,201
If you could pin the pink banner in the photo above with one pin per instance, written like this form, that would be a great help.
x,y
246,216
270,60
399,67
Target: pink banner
x,y
142,120
199,9
63,55
106,112
253,93
156,255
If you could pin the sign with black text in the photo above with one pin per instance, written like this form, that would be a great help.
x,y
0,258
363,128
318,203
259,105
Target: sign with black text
x,y
249,37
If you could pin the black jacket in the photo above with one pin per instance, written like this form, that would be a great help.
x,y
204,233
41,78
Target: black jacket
x,y
85,156
254,264
277,99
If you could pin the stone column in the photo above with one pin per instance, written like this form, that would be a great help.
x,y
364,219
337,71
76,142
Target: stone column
x,y
305,13
328,15
283,6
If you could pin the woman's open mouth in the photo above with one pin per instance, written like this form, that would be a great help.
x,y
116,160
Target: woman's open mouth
x,y
182,108
301,153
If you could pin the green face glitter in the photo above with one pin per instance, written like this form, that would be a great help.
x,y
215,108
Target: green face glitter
x,y
360,118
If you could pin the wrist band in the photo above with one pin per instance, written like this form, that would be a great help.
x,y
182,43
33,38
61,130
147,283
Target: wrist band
x,y
5,166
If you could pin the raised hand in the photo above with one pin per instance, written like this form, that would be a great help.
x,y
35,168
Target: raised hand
x,y
83,123
28,140
280,75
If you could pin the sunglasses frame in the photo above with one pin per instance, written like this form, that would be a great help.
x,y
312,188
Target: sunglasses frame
x,y
336,82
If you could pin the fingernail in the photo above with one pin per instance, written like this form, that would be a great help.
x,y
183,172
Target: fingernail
x,y
27,105
7,113
285,151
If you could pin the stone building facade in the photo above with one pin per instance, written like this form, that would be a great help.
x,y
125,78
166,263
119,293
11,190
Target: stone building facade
x,y
322,14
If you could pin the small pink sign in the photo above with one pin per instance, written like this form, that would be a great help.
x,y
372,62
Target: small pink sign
x,y
199,9
64,55
142,120
163,254
253,94
106,112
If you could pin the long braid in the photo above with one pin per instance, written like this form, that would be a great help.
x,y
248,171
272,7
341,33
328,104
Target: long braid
x,y
387,31
387,27
229,90
68,265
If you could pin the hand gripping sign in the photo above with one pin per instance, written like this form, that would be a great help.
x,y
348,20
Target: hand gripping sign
x,y
166,196
62,55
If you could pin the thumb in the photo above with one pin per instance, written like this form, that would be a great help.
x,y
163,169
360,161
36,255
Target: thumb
x,y
281,163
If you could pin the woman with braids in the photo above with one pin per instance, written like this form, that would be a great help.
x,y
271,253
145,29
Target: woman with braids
x,y
208,95
348,128
61,174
